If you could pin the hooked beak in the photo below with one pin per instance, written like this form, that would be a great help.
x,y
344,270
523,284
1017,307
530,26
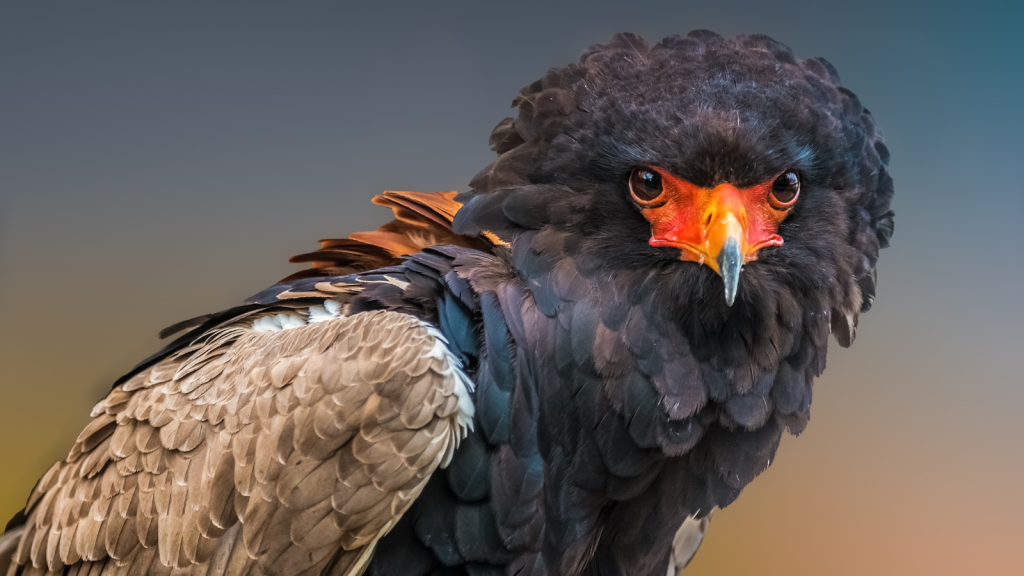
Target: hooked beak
x,y
725,237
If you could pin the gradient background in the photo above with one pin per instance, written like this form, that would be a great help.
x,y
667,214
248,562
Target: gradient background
x,y
160,162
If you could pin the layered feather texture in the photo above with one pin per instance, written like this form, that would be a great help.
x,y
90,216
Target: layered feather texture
x,y
288,450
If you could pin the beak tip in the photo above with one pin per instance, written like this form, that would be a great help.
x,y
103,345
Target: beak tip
x,y
730,263
730,297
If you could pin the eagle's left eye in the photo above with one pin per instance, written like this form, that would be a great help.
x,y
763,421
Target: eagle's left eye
x,y
645,185
785,190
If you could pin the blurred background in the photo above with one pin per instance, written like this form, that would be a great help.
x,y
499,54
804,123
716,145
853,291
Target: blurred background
x,y
162,161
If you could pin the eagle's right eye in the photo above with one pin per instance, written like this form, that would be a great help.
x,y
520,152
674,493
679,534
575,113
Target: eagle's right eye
x,y
645,185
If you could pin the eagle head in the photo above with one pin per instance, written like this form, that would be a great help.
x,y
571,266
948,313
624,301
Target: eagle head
x,y
745,177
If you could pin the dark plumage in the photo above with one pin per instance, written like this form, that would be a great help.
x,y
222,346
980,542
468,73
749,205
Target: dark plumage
x,y
618,390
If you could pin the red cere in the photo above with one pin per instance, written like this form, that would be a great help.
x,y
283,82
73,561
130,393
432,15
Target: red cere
x,y
699,221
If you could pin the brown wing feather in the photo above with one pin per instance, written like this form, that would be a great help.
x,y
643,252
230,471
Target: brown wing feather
x,y
422,219
253,452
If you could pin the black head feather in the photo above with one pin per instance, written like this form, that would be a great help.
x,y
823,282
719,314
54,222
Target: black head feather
x,y
711,110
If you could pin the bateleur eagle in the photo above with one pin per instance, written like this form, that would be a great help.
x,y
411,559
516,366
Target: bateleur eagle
x,y
561,371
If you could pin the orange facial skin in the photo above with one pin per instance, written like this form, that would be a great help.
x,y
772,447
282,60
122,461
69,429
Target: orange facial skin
x,y
700,221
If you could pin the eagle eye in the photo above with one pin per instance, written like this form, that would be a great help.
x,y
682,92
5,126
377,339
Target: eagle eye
x,y
785,190
645,185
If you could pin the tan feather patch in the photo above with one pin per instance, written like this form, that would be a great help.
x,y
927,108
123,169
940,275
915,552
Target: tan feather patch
x,y
686,542
255,451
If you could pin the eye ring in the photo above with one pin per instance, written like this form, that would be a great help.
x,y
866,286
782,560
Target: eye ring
x,y
785,190
645,186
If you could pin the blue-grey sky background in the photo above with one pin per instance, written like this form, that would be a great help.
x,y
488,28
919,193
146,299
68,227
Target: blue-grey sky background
x,y
162,161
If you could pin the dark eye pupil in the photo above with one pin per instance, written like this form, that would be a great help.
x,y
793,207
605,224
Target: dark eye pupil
x,y
786,187
645,185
